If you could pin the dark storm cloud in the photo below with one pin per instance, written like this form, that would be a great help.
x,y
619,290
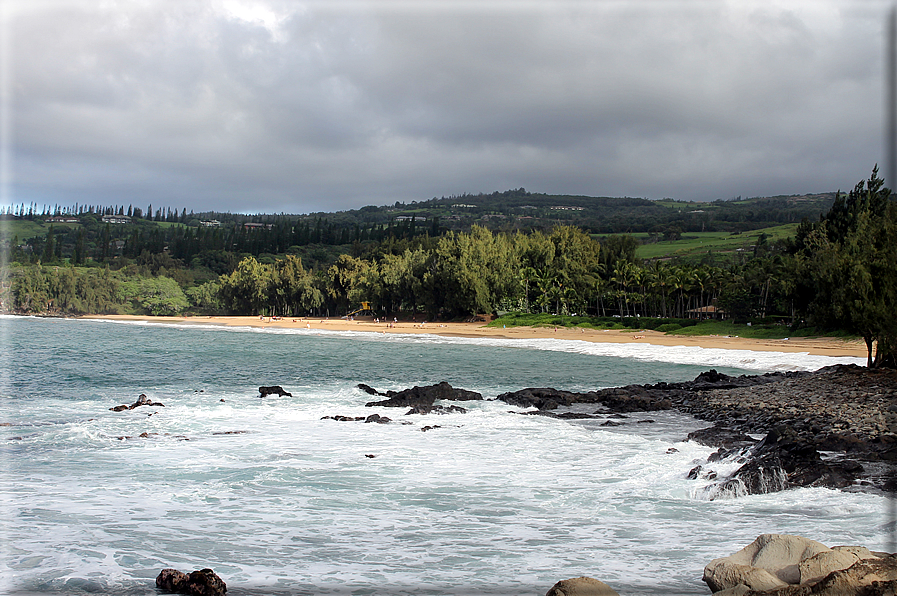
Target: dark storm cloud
x,y
275,106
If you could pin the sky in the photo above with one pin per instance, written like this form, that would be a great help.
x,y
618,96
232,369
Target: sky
x,y
287,106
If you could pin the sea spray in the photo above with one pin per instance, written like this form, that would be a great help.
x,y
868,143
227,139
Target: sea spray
x,y
277,500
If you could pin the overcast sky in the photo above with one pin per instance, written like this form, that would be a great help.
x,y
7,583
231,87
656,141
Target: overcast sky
x,y
275,105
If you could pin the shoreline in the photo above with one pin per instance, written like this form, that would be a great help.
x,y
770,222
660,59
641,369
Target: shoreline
x,y
821,346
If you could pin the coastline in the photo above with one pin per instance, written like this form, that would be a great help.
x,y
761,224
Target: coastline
x,y
821,346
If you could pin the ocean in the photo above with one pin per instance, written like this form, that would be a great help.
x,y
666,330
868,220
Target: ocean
x,y
277,500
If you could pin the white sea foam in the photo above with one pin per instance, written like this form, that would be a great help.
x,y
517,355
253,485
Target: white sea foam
x,y
491,501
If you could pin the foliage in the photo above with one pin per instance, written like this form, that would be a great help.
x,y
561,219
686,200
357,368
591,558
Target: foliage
x,y
849,263
158,296
39,289
479,254
205,297
280,289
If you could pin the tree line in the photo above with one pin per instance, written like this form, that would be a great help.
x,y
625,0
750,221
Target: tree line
x,y
839,272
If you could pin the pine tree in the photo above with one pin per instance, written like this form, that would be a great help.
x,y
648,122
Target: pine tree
x,y
49,248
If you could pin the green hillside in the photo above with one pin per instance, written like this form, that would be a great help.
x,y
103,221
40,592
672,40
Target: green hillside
x,y
695,243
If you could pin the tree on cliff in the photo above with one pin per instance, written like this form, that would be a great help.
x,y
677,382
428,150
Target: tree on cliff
x,y
848,265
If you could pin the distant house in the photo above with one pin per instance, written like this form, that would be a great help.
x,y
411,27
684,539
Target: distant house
x,y
116,219
706,312
568,208
257,226
416,218
61,219
464,206
211,223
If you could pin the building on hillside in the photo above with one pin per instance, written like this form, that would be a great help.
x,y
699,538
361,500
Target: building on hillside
x,y
116,219
210,223
61,219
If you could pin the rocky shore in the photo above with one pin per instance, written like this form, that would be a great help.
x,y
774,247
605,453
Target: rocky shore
x,y
835,427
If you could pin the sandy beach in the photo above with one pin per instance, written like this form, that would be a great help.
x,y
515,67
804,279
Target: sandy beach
x,y
823,346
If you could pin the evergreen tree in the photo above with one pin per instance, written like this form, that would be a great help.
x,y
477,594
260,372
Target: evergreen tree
x,y
849,260
79,254
49,254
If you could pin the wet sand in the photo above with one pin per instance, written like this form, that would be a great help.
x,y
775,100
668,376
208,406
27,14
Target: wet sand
x,y
823,346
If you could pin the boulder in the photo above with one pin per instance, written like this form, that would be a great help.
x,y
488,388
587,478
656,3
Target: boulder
x,y
861,552
869,577
203,582
378,419
800,464
142,400
581,586
272,390
783,565
339,418
779,461
821,564
171,580
631,398
732,575
769,562
544,398
453,409
720,436
425,396
370,390
577,416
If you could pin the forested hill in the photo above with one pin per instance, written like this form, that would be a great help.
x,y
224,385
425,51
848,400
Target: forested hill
x,y
84,232
519,209
464,255
522,210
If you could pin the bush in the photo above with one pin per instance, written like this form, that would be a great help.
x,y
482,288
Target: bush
x,y
667,327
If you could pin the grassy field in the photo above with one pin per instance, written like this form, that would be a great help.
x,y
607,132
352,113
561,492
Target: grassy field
x,y
754,331
25,229
701,242
668,326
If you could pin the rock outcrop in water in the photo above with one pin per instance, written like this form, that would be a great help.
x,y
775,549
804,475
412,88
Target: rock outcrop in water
x,y
830,428
203,582
833,428
422,396
274,390
784,565
632,398
541,398
805,416
143,400
779,461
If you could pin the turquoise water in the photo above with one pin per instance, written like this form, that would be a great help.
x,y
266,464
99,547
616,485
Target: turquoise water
x,y
277,500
